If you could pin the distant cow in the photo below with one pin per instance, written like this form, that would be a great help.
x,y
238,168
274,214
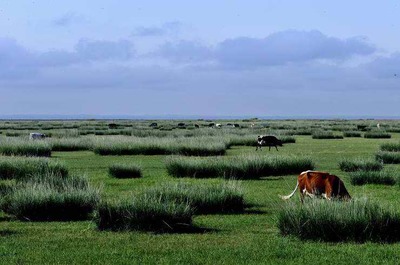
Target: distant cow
x,y
320,184
218,125
236,125
197,126
211,124
181,124
268,140
154,124
35,136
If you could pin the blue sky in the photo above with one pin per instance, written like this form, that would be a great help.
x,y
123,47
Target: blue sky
x,y
228,58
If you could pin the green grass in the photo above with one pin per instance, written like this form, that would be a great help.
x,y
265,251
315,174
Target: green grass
x,y
21,168
360,164
377,135
148,213
125,171
24,147
373,177
388,157
325,135
357,221
224,197
52,198
391,147
251,237
351,134
156,146
241,167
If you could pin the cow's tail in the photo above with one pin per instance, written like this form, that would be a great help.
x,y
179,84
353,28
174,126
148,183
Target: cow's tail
x,y
291,194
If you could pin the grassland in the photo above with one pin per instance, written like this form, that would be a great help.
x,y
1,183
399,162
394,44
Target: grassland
x,y
249,237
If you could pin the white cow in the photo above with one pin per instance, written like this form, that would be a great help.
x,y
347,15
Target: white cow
x,y
218,125
35,136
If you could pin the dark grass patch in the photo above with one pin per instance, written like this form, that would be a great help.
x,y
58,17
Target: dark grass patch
x,y
325,135
241,167
351,134
372,177
52,198
357,221
390,147
377,135
349,165
225,197
125,171
21,168
388,157
145,213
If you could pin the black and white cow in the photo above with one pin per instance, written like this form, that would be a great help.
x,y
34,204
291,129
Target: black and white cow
x,y
268,140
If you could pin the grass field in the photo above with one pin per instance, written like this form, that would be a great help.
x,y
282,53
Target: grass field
x,y
250,237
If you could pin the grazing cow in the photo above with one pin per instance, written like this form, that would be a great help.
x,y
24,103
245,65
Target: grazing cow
x,y
218,125
35,136
268,140
181,124
321,184
236,125
154,124
197,126
211,124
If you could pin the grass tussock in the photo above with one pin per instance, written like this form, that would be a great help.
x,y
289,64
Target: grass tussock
x,y
201,146
349,165
377,135
241,167
71,144
224,197
372,177
390,147
49,197
351,134
325,135
357,221
388,157
125,171
24,147
146,213
23,168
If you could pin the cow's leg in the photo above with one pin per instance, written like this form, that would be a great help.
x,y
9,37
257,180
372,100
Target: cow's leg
x,y
269,148
276,147
326,196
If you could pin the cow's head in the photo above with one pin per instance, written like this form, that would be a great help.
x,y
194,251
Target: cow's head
x,y
279,143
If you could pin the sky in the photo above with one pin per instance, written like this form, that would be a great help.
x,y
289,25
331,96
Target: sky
x,y
204,58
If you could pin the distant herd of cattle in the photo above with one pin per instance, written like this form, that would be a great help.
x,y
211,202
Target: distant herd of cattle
x,y
310,183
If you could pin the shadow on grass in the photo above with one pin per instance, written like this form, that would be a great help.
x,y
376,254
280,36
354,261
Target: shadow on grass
x,y
7,232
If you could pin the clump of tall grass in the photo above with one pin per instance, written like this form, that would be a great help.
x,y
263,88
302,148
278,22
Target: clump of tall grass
x,y
71,144
360,164
226,196
49,197
125,171
24,147
201,146
377,135
351,134
357,220
148,213
372,177
22,168
391,147
325,135
240,167
388,157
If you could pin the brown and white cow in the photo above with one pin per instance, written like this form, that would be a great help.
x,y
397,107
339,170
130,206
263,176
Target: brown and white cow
x,y
317,184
